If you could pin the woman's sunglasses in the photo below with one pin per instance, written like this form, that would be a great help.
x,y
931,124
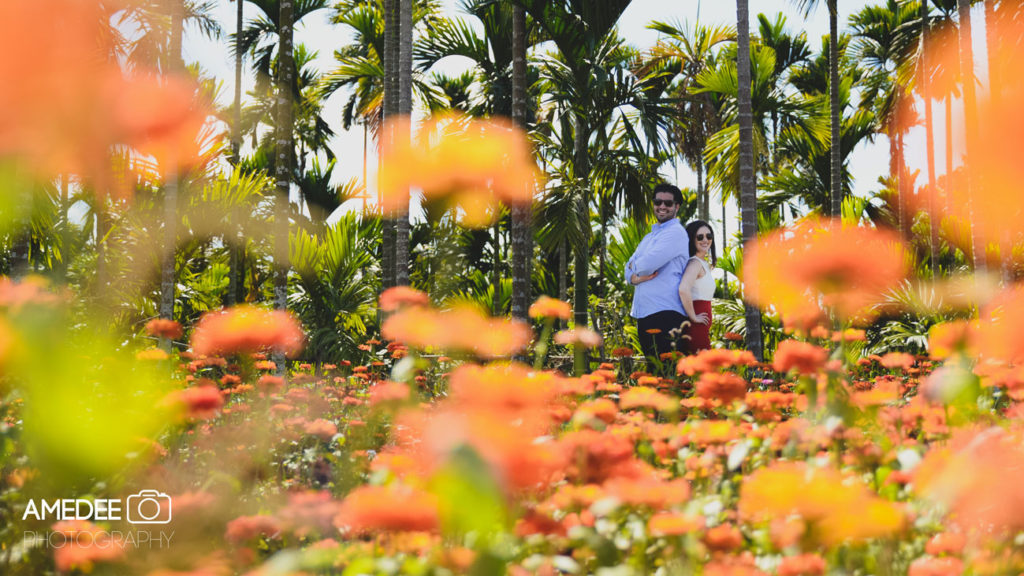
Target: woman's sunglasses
x,y
704,237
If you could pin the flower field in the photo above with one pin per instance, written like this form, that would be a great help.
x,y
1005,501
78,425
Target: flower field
x,y
406,461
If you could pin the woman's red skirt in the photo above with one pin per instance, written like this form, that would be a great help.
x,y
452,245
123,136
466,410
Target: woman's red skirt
x,y
700,334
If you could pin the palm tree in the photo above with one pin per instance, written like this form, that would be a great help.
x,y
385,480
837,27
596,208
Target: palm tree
x,y
404,109
283,152
748,185
835,191
578,28
236,244
175,12
970,121
680,57
522,247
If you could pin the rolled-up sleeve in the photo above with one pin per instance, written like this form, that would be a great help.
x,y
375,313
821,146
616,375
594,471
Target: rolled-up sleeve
x,y
661,252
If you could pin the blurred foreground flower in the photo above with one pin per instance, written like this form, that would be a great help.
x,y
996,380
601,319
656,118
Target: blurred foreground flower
x,y
548,307
838,509
463,329
822,263
460,162
247,329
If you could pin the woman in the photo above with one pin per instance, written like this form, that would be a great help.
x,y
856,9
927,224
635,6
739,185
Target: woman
x,y
698,285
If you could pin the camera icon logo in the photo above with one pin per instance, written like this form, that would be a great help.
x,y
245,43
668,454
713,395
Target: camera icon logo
x,y
148,507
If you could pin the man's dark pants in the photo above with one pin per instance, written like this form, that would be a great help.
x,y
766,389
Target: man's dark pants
x,y
664,340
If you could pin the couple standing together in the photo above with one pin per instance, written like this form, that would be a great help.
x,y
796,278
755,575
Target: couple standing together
x,y
673,280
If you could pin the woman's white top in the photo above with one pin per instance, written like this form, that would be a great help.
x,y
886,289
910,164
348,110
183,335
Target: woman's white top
x,y
703,287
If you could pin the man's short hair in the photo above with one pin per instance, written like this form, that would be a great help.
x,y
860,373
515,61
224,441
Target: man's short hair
x,y
664,187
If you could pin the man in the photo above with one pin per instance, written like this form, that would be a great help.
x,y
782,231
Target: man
x,y
656,269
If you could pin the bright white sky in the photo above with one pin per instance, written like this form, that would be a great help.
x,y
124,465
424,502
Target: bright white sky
x,y
868,163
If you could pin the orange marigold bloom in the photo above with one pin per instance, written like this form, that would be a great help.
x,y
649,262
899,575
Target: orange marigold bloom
x,y
462,328
947,566
802,565
723,538
398,296
247,329
996,334
946,543
388,392
946,338
673,524
898,360
845,268
643,397
600,408
804,357
648,491
84,544
840,510
583,336
245,528
201,402
548,307
725,387
322,429
714,359
164,328
622,352
471,164
388,508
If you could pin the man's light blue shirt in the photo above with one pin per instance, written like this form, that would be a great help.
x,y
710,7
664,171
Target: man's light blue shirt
x,y
664,250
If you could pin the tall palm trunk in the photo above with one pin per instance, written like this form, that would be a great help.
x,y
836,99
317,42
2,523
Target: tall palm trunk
x,y
283,153
929,125
496,267
748,184
236,245
971,126
994,60
170,237
581,271
522,249
391,36
835,112
404,109
703,193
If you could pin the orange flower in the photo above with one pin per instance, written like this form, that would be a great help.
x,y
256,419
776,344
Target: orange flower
x,y
245,528
845,268
802,565
501,388
898,360
673,524
724,387
946,543
945,338
996,334
548,307
947,566
322,429
804,357
841,510
388,508
460,162
648,491
388,392
247,329
462,328
714,359
83,544
583,336
723,538
399,296
164,328
201,402
643,397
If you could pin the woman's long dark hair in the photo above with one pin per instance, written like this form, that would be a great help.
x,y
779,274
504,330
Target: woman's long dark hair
x,y
691,231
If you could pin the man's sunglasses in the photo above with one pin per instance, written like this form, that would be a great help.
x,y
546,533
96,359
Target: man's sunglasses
x,y
704,237
664,202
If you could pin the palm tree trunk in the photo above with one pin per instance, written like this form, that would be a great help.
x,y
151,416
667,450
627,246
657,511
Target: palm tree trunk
x,y
581,271
563,273
994,60
725,230
835,112
522,250
748,184
404,109
167,272
391,36
971,126
929,126
496,268
703,193
283,161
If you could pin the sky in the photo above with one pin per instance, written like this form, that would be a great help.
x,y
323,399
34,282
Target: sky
x,y
867,163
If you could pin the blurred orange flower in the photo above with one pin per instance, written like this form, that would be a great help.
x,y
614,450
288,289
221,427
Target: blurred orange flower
x,y
82,544
724,387
247,329
398,296
996,334
466,163
548,307
823,262
673,524
583,336
840,510
462,329
388,508
644,397
714,359
804,357
201,402
164,328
